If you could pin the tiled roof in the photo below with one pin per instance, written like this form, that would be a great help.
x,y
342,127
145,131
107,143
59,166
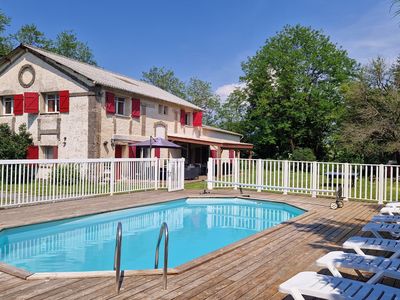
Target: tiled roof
x,y
113,80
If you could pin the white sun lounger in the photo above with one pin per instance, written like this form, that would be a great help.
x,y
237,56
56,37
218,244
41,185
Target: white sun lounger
x,y
357,243
375,228
335,288
393,204
386,219
388,210
379,266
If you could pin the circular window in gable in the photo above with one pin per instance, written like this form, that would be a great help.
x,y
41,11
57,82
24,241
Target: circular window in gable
x,y
26,76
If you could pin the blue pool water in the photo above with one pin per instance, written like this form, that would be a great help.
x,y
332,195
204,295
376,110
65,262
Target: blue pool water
x,y
196,227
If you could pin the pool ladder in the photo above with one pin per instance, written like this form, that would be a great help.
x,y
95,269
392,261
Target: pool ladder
x,y
117,255
163,230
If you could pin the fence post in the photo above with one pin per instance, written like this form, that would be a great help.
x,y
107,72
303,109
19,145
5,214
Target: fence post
x,y
381,183
285,176
210,173
259,174
182,166
112,176
156,173
346,181
235,172
314,179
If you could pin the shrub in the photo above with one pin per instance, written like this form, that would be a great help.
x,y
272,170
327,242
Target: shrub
x,y
303,154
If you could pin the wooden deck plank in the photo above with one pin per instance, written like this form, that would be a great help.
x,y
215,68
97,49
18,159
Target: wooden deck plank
x,y
253,270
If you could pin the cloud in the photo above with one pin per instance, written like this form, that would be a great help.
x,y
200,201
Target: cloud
x,y
371,34
225,90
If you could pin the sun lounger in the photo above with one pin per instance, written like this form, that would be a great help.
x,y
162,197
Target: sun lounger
x,y
387,210
386,219
335,288
379,266
376,228
357,243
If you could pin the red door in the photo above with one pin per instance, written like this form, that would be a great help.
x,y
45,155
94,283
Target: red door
x,y
118,154
118,151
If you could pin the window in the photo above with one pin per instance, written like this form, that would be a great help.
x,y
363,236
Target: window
x,y
163,109
188,118
8,105
52,103
49,152
120,106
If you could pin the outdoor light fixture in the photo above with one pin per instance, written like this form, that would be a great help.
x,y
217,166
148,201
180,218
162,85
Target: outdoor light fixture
x,y
105,143
112,143
65,141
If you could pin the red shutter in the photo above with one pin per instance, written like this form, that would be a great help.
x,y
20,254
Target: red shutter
x,y
213,153
132,151
157,152
31,102
183,117
198,118
135,108
110,103
32,152
55,152
18,104
64,101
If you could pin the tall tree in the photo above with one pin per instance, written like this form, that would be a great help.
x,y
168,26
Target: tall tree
x,y
29,34
5,41
231,115
166,80
293,87
67,44
200,93
371,129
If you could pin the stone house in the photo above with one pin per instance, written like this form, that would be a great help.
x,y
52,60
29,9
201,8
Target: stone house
x,y
76,110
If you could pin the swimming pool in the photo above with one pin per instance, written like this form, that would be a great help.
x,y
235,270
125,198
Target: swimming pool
x,y
196,227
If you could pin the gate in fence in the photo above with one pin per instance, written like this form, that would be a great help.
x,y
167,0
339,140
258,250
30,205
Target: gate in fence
x,y
359,181
35,181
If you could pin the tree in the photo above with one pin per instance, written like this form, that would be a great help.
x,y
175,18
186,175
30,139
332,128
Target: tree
x,y
232,112
293,86
371,129
14,145
29,34
396,5
200,93
5,41
165,79
67,44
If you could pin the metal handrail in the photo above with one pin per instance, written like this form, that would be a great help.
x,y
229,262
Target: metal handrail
x,y
117,257
163,230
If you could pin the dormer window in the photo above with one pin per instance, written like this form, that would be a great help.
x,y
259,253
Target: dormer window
x,y
52,103
120,106
8,105
162,109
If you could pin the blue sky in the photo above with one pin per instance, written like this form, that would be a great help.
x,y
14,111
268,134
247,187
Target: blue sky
x,y
208,38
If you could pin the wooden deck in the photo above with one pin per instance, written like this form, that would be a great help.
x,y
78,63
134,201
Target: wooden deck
x,y
253,270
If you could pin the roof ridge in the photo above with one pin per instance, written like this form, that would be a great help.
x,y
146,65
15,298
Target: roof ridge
x,y
68,63
94,66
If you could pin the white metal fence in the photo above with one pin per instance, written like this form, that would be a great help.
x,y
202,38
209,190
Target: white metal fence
x,y
359,181
34,181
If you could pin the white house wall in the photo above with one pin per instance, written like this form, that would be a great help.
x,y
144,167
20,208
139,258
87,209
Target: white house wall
x,y
73,125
